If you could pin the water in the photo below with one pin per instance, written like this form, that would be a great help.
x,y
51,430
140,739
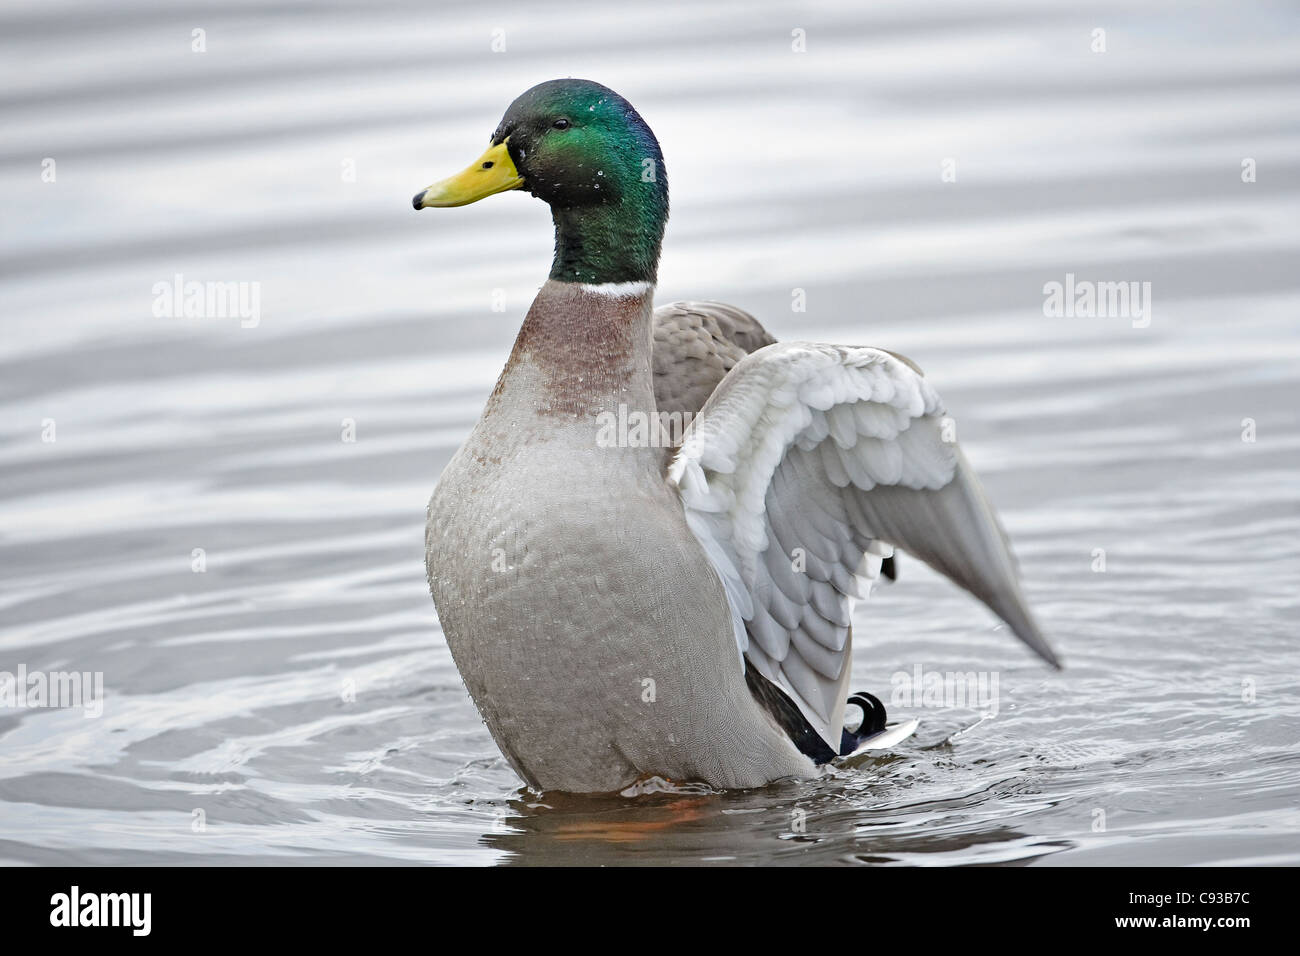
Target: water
x,y
295,702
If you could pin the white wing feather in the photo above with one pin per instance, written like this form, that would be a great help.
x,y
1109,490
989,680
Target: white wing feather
x,y
805,468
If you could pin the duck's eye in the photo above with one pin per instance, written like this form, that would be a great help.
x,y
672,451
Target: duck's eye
x,y
561,124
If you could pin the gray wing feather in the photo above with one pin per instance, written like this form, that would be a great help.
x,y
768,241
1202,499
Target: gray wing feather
x,y
806,467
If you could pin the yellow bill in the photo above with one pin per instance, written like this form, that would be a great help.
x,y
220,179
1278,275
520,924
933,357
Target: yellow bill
x,y
493,172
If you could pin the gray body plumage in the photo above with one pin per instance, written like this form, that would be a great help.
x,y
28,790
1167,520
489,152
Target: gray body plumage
x,y
602,601
586,620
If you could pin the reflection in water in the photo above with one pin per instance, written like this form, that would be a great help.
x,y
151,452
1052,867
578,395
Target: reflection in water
x,y
844,818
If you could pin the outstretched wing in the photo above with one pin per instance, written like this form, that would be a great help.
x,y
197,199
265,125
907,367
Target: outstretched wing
x,y
806,467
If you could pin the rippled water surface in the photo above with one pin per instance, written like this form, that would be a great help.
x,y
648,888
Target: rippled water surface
x,y
297,697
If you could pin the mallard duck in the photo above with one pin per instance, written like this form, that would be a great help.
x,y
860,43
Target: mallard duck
x,y
629,602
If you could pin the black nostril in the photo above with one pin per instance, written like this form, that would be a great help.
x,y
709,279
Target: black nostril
x,y
419,197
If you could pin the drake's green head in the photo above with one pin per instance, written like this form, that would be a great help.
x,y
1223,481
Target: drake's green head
x,y
582,149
